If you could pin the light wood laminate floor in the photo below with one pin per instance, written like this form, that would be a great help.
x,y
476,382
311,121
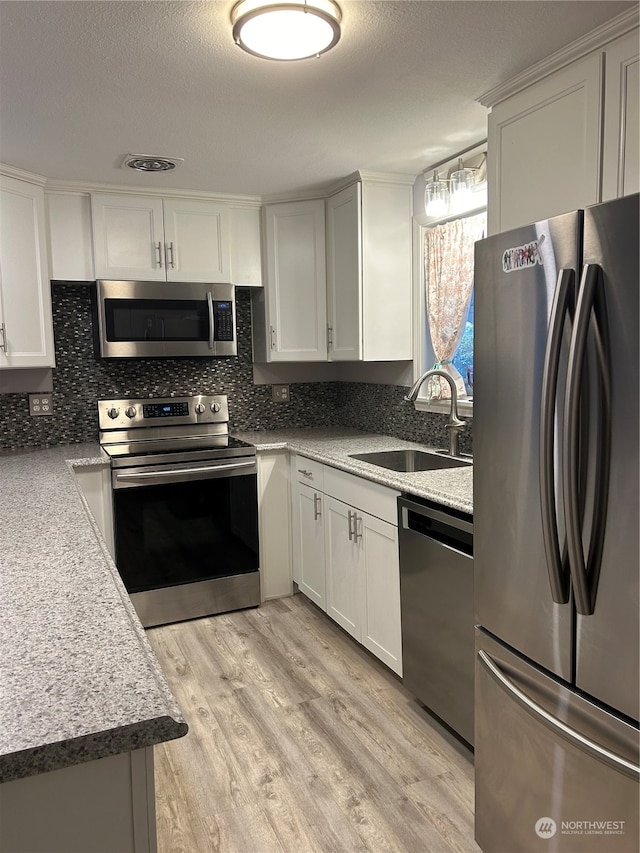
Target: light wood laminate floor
x,y
300,741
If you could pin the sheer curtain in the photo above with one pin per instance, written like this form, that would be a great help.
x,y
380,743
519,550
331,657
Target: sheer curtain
x,y
448,272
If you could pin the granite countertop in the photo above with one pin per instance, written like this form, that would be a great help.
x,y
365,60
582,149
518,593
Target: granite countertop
x,y
78,679
451,487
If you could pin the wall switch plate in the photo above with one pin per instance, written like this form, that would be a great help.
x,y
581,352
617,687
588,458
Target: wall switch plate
x,y
40,404
280,393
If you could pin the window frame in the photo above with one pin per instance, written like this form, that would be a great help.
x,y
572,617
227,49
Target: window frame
x,y
424,356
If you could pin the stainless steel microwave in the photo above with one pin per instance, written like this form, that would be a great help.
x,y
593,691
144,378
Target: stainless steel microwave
x,y
148,319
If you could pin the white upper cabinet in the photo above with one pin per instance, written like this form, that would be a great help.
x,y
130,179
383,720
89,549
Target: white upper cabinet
x,y
291,318
369,288
196,240
344,274
570,138
70,242
544,147
621,146
153,239
344,298
245,246
26,329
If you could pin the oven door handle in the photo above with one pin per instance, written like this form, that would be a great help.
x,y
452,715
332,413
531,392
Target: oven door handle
x,y
175,475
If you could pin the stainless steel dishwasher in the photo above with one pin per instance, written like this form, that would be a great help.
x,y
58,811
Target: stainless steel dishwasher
x,y
436,594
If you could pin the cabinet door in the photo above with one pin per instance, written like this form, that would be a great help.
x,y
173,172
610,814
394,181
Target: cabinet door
x,y
245,246
70,243
296,281
621,147
387,289
344,274
274,504
196,241
309,544
128,237
544,147
343,563
26,334
381,632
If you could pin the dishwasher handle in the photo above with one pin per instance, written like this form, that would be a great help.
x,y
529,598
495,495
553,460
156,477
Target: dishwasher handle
x,y
436,524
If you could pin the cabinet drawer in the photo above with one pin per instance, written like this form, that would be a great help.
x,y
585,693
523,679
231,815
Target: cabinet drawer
x,y
308,471
370,497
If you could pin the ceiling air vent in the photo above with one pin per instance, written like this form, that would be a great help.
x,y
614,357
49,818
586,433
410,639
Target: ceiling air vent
x,y
150,163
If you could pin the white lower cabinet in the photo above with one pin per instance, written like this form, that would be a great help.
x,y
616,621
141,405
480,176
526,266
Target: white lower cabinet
x,y
343,565
380,630
274,524
96,807
308,546
345,554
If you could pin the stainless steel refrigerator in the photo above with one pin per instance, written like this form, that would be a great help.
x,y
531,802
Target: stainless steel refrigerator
x,y
556,534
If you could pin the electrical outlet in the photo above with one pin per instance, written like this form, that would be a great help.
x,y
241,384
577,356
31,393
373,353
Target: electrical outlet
x,y
40,404
280,393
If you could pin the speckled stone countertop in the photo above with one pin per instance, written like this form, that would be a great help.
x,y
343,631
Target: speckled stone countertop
x,y
452,487
78,679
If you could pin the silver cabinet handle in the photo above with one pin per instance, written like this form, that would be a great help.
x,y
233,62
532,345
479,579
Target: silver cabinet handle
x,y
317,503
562,308
272,333
158,246
352,521
357,525
3,341
554,723
304,472
170,259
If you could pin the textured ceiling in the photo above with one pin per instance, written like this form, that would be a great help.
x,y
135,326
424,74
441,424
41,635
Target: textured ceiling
x,y
84,83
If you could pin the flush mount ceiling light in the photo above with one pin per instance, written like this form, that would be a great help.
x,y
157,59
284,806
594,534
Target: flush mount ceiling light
x,y
298,29
150,163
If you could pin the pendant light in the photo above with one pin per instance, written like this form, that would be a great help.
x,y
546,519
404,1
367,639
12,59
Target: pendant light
x,y
462,181
286,31
436,196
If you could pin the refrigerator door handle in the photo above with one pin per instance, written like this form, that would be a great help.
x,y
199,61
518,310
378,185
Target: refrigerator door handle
x,y
590,313
559,577
617,761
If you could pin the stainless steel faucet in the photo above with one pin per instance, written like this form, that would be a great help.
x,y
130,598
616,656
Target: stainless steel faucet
x,y
455,425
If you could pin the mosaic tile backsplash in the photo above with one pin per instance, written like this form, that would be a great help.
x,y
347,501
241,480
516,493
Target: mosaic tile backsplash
x,y
80,379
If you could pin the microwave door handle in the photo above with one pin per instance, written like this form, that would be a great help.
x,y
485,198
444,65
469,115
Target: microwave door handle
x,y
211,325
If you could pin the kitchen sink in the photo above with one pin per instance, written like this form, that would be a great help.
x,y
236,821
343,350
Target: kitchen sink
x,y
411,460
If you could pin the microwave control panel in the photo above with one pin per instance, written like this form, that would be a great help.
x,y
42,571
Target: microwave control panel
x,y
223,320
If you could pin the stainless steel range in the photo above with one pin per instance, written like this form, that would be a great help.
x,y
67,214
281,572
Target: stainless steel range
x,y
185,506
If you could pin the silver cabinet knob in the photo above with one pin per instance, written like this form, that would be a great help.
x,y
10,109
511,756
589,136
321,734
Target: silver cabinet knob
x,y
200,408
215,407
113,412
130,411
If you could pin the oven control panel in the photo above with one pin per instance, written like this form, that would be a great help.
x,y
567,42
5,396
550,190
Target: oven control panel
x,y
156,411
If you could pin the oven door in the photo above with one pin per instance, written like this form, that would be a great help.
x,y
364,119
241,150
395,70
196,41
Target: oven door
x,y
186,537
